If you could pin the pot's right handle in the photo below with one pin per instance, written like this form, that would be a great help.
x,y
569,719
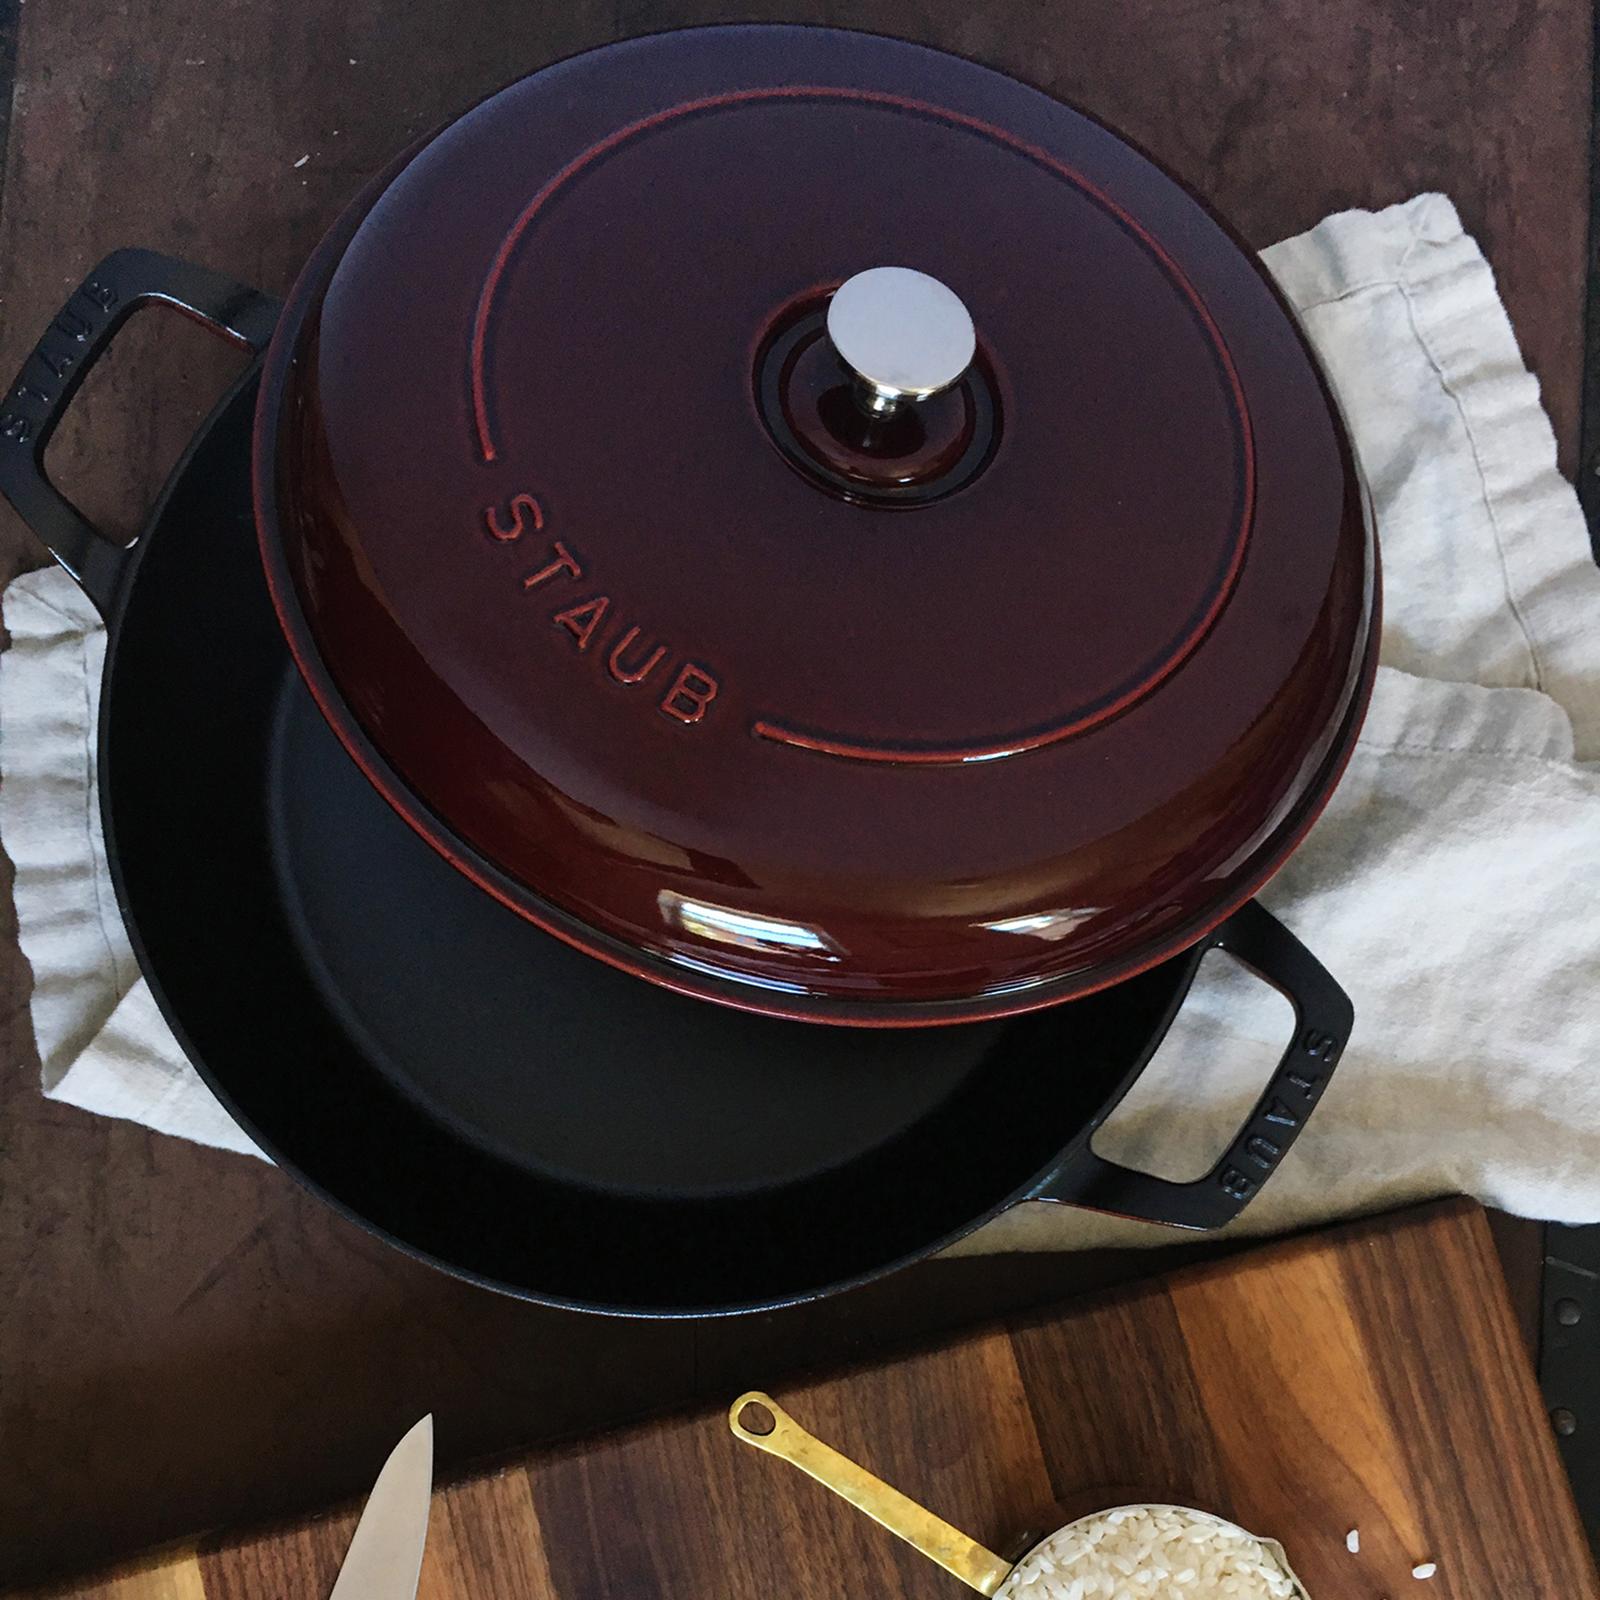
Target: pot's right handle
x,y
1323,1015
50,376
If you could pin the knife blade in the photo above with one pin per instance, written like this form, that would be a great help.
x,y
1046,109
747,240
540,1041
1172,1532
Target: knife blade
x,y
384,1560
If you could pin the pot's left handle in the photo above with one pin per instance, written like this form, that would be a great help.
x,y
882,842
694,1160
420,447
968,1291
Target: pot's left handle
x,y
1323,1016
50,376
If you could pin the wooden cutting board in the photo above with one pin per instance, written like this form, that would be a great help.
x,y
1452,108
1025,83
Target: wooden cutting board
x,y
1370,1377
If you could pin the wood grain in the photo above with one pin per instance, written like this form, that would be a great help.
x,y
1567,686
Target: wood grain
x,y
1451,1386
1369,1377
485,1540
174,1575
189,1340
1117,1402
1301,1426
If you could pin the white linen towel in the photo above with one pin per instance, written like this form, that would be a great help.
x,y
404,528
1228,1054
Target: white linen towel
x,y
1452,886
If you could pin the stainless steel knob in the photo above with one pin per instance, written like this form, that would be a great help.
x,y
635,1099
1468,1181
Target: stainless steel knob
x,y
904,335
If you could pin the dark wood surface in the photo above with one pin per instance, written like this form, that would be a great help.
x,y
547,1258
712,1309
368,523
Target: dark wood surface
x,y
188,1341
1369,1377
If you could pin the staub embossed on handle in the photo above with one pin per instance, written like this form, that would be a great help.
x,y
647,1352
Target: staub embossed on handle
x,y
1323,1018
42,383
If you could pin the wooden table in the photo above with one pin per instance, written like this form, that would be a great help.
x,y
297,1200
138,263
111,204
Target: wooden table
x,y
1270,1389
188,1340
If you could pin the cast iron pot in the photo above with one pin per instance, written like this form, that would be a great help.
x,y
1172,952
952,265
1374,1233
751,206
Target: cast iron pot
x,y
751,662
476,1091
424,1054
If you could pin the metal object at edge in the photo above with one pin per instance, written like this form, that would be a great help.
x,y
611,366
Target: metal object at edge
x,y
384,1561
1569,1360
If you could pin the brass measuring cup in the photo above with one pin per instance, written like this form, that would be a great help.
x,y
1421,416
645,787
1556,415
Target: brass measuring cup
x,y
758,1420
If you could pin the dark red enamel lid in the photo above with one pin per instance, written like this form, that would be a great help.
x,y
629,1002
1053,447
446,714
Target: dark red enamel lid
x,y
595,563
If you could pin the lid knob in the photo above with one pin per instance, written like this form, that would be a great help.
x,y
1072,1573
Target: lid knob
x,y
904,335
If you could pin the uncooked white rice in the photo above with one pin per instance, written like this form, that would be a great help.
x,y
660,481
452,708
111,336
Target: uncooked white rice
x,y
1145,1552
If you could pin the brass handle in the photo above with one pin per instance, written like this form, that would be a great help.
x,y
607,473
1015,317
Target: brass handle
x,y
980,1569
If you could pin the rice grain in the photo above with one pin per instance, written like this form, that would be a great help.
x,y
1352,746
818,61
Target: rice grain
x,y
1147,1552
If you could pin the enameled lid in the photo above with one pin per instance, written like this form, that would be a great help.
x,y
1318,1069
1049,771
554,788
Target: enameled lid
x,y
847,665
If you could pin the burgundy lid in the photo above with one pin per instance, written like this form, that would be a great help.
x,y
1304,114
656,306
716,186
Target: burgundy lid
x,y
669,641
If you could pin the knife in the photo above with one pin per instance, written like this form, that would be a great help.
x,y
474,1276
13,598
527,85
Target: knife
x,y
384,1560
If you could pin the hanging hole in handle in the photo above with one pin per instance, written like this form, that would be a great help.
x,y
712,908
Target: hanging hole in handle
x,y
1185,1108
757,1419
140,406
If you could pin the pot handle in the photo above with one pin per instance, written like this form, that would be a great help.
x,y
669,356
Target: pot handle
x,y
1323,1015
50,376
